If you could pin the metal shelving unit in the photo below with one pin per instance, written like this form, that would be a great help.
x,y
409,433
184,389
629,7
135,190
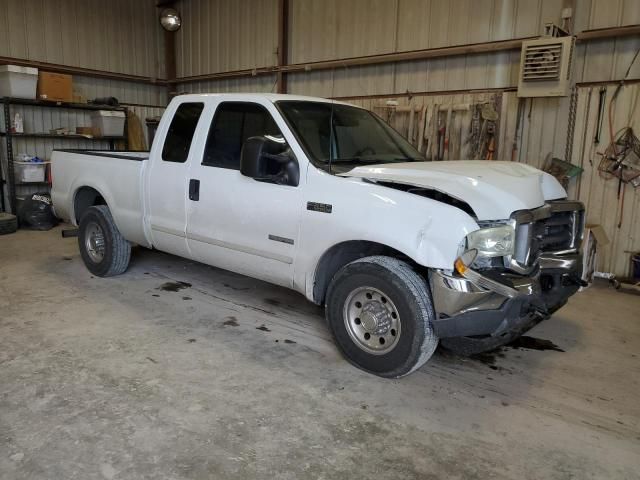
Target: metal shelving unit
x,y
9,137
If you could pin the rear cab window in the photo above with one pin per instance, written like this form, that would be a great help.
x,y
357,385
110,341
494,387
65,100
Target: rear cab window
x,y
181,130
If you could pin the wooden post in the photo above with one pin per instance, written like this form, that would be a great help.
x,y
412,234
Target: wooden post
x,y
283,40
169,51
170,62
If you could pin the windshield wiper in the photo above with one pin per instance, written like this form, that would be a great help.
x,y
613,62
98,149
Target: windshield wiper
x,y
354,160
357,159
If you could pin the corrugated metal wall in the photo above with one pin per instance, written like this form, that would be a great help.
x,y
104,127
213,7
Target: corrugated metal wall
x,y
116,35
226,35
121,36
262,83
329,29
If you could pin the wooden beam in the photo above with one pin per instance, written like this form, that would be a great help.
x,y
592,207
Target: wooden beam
x,y
366,60
84,72
608,32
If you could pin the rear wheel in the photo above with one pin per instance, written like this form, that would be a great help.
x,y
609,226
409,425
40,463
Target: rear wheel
x,y
380,313
104,250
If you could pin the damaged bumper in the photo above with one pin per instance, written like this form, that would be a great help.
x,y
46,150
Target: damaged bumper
x,y
493,303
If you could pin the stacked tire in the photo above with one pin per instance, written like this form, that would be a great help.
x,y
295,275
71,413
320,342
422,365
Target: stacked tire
x,y
8,223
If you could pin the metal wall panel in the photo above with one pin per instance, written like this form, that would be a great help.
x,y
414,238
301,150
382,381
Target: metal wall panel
x,y
352,81
605,205
125,92
117,36
218,36
606,59
226,35
263,83
322,30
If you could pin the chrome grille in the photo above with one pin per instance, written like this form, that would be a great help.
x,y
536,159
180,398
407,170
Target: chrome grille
x,y
555,227
553,233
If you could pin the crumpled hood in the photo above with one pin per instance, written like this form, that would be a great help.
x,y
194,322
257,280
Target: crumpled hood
x,y
493,189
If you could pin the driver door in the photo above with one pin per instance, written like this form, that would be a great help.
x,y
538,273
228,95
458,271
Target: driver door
x,y
238,223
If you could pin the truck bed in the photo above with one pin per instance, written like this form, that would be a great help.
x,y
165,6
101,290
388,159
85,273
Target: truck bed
x,y
117,176
139,156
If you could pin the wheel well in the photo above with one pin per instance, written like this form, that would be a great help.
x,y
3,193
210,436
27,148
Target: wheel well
x,y
346,252
86,197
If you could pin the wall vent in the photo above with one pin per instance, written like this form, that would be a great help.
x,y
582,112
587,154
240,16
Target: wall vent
x,y
545,67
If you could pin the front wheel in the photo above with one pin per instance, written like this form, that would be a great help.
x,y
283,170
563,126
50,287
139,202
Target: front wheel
x,y
104,250
380,313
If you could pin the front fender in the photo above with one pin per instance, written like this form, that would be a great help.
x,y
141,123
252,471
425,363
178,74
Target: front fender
x,y
425,230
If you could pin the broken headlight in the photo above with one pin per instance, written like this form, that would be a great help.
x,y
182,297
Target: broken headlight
x,y
493,241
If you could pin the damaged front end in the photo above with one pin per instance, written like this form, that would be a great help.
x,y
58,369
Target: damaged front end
x,y
511,274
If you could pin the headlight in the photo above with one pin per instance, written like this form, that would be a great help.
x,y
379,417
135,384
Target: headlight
x,y
493,241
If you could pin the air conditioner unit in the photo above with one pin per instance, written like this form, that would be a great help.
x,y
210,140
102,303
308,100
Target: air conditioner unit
x,y
545,67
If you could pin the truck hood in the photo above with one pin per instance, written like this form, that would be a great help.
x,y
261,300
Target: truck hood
x,y
492,189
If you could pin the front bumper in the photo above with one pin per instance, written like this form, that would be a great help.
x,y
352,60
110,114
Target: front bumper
x,y
464,309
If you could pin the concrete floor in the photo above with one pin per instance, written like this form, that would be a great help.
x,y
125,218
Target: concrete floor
x,y
234,378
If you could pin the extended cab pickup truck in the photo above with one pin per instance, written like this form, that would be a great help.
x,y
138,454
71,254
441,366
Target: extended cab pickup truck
x,y
325,198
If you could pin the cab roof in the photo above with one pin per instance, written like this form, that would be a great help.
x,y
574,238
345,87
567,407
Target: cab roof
x,y
272,97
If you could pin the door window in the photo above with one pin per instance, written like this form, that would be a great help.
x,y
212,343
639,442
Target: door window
x,y
233,123
183,126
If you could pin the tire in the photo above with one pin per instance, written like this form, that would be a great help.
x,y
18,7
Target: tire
x,y
104,250
395,305
8,223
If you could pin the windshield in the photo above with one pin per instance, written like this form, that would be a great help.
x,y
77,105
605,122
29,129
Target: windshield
x,y
345,136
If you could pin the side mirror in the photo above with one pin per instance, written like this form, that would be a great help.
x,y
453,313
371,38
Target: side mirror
x,y
268,160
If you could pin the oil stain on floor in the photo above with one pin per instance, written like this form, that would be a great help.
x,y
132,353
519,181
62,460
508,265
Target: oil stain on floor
x,y
173,286
532,343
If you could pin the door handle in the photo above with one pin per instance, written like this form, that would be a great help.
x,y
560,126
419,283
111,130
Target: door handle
x,y
194,189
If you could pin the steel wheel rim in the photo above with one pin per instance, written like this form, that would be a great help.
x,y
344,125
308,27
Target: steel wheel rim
x,y
372,320
94,242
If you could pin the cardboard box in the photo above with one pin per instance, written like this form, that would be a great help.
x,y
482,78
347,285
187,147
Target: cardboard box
x,y
56,87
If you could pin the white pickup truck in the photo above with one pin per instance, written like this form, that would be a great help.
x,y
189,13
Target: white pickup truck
x,y
324,198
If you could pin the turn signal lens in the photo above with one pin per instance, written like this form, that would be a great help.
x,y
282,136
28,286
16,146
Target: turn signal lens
x,y
460,267
463,262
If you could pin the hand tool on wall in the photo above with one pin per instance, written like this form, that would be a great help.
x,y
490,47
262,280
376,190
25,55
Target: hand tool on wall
x,y
433,139
601,103
421,125
446,134
516,133
410,128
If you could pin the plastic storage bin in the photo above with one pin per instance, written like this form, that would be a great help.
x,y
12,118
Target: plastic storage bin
x,y
18,82
26,172
107,123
